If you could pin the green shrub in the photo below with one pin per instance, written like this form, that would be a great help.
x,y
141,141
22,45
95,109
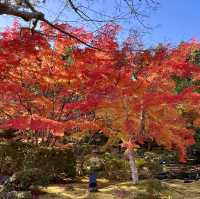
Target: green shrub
x,y
116,167
52,160
146,195
144,173
170,157
140,162
17,156
22,180
93,163
11,157
153,190
149,165
110,166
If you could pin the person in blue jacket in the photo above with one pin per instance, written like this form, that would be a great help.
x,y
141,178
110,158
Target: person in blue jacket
x,y
92,181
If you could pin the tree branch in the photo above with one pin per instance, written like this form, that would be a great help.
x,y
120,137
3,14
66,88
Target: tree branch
x,y
8,9
68,34
12,10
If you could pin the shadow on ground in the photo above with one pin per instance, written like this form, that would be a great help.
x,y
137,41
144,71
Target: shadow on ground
x,y
174,189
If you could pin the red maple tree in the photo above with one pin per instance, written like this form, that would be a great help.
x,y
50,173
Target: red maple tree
x,y
50,84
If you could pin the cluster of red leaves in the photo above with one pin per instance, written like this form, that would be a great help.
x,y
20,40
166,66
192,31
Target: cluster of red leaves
x,y
40,91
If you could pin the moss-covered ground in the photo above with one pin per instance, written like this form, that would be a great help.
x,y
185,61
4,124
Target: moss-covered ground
x,y
172,189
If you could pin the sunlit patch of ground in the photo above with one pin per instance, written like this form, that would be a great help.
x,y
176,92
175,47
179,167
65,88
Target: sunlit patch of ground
x,y
182,190
175,189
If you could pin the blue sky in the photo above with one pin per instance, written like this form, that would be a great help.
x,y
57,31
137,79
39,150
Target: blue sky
x,y
172,22
176,20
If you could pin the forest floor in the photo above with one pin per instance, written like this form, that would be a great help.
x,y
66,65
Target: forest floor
x,y
173,189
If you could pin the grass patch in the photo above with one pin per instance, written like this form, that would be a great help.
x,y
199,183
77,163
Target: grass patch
x,y
171,189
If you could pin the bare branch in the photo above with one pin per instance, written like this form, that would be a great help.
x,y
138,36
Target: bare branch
x,y
68,34
26,10
9,9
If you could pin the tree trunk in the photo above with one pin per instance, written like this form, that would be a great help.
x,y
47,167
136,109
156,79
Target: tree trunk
x,y
134,170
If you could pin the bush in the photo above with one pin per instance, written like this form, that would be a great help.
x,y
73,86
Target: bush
x,y
149,166
17,156
54,161
140,162
116,167
153,188
108,165
22,180
11,157
93,163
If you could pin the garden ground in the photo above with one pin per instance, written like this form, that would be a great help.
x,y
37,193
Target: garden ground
x,y
173,189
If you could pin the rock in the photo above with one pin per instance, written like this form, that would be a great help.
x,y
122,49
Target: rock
x,y
197,176
18,195
162,176
3,179
188,181
145,173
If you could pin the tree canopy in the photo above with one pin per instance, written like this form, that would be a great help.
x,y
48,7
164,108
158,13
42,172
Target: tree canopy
x,y
51,84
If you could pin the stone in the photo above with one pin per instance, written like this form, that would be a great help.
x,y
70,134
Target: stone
x,y
3,179
18,195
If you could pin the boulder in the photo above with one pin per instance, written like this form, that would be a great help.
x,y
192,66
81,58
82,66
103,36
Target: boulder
x,y
18,195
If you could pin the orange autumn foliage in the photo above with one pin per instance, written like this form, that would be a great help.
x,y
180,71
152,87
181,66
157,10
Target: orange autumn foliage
x,y
49,82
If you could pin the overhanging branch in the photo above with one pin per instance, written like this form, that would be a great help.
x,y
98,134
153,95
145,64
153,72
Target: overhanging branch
x,y
13,10
9,9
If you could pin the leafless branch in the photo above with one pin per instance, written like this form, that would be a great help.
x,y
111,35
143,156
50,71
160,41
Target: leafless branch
x,y
9,9
26,10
